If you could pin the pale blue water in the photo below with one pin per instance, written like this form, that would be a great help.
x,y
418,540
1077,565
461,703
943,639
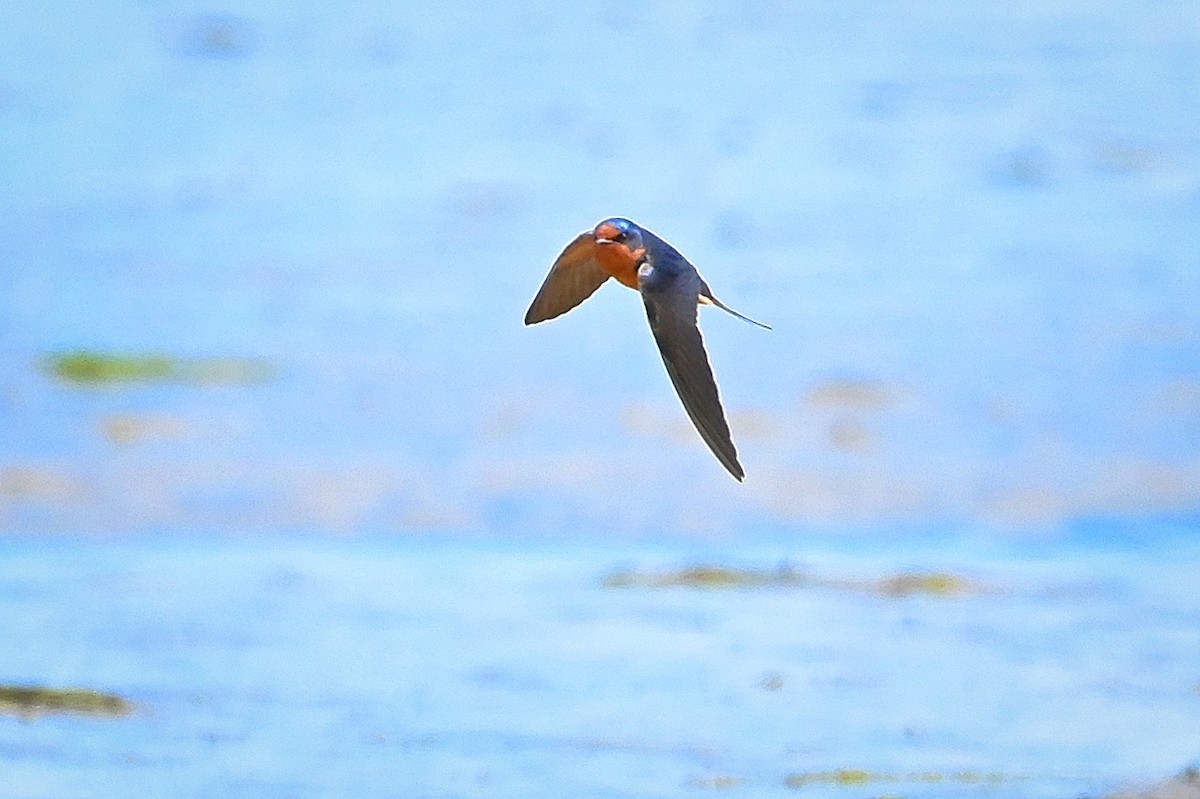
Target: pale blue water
x,y
974,230
275,668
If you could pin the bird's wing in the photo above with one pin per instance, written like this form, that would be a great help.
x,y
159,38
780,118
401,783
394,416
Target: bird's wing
x,y
672,310
575,276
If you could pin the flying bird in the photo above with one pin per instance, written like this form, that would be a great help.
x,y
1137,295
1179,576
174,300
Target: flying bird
x,y
672,290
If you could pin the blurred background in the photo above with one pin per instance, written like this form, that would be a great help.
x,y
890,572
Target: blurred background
x,y
280,464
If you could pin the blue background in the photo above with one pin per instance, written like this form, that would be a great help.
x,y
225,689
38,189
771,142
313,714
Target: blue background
x,y
974,228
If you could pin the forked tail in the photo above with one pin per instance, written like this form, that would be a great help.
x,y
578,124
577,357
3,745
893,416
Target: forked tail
x,y
707,298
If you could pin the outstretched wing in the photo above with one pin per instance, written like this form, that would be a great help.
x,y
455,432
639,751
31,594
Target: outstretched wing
x,y
574,277
671,306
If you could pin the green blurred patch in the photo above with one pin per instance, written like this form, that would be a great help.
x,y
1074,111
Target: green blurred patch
x,y
926,583
854,777
706,577
905,584
32,701
842,776
89,367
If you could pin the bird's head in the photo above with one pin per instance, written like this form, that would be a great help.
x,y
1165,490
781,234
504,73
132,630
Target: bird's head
x,y
621,234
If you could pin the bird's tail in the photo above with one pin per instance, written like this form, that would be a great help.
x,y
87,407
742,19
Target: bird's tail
x,y
707,298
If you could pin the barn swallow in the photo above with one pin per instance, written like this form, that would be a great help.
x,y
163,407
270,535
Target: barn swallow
x,y
672,290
